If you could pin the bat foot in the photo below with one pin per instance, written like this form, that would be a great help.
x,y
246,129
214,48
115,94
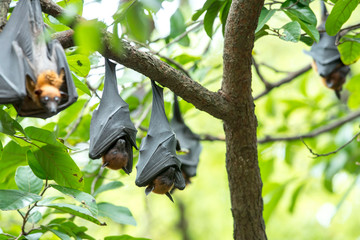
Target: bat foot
x,y
149,189
169,196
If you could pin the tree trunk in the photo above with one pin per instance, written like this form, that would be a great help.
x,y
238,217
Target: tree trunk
x,y
240,124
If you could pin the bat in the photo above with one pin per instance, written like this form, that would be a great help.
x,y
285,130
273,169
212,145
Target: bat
x,y
158,166
188,141
34,74
112,133
326,58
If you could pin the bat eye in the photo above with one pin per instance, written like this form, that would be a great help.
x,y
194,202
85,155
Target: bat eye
x,y
46,99
57,99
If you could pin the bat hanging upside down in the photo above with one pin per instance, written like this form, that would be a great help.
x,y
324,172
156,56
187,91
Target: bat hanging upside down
x,y
46,91
117,157
163,183
336,79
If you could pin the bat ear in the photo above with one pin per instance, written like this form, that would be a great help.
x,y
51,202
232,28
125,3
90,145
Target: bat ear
x,y
62,74
149,189
38,92
178,147
64,95
169,196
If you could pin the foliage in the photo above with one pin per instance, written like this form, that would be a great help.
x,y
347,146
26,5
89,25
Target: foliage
x,y
46,178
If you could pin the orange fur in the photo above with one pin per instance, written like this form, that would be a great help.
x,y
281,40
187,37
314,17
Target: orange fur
x,y
47,85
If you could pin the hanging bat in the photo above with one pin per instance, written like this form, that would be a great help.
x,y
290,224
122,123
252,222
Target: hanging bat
x,y
188,140
326,58
158,166
112,134
34,74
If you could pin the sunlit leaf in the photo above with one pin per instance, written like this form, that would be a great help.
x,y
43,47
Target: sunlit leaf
x,y
210,16
340,13
16,199
75,210
118,214
27,181
350,50
265,16
86,199
79,64
291,32
177,27
124,237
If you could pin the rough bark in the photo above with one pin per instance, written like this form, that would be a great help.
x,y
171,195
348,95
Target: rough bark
x,y
4,8
240,128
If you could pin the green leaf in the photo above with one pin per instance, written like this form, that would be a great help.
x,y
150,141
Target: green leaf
x,y
75,210
295,197
118,214
350,50
210,16
262,32
79,64
16,199
80,85
340,13
124,237
13,156
86,199
9,125
273,193
86,30
302,12
307,40
61,235
197,14
34,236
34,217
35,165
292,32
308,28
186,58
43,137
264,17
223,14
177,27
77,5
59,166
27,181
108,186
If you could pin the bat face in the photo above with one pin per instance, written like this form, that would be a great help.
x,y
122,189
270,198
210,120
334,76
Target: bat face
x,y
163,183
49,98
117,157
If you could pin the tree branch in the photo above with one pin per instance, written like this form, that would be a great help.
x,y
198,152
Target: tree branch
x,y
315,132
287,79
4,8
157,70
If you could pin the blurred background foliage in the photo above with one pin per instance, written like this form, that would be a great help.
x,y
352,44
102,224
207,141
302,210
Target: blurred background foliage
x,y
304,197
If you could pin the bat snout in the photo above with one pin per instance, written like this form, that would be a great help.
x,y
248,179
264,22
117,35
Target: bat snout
x,y
51,106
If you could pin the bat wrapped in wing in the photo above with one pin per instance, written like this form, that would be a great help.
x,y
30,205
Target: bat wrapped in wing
x,y
34,74
112,134
189,141
326,58
158,167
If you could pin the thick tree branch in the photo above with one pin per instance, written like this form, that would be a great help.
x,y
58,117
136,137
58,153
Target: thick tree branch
x,y
4,8
157,70
315,132
287,79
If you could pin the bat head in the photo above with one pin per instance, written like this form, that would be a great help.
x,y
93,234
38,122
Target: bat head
x,y
116,157
49,97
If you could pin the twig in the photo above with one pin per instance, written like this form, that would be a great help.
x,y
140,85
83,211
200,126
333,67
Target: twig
x,y
272,68
266,83
287,79
315,132
98,176
344,31
333,152
207,137
76,124
181,36
143,116
26,140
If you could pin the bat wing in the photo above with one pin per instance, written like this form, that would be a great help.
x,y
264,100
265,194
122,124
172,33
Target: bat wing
x,y
325,52
12,69
27,54
111,120
157,149
188,140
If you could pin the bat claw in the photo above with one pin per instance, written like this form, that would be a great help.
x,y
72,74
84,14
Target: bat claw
x,y
169,196
149,189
